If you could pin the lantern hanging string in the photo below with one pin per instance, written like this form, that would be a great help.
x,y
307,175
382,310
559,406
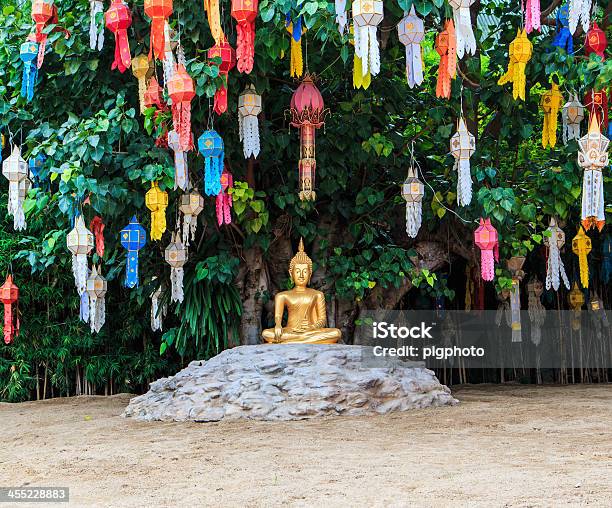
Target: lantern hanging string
x,y
418,166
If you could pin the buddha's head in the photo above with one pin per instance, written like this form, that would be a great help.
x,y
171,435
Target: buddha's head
x,y
300,267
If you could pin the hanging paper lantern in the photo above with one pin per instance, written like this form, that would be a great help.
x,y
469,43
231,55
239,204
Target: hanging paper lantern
x,y
140,69
181,90
224,199
446,47
28,54
411,32
9,296
118,19
341,15
593,157
606,259
96,30
176,256
214,19
181,171
307,114
597,104
572,114
536,311
96,290
581,246
367,15
245,12
360,80
554,267
159,11
158,310
249,106
532,16
80,242
296,30
550,103
563,38
486,239
35,166
463,145
519,54
576,300
228,61
579,11
44,12
413,191
515,265
191,206
133,238
466,42
97,228
596,41
157,201
15,170
212,149
153,95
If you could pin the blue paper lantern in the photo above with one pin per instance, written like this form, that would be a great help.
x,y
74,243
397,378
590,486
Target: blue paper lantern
x,y
35,165
211,147
133,238
28,54
563,39
606,260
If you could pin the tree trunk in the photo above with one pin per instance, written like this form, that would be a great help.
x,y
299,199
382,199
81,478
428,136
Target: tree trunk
x,y
255,283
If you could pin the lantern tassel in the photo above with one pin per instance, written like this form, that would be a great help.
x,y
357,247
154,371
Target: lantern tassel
x,y
190,226
555,268
84,308
414,65
487,265
245,46
15,207
30,74
593,212
97,314
131,271
96,33
532,16
413,218
579,10
80,272
223,208
464,182
168,60
249,135
466,41
515,311
213,167
341,15
158,311
176,280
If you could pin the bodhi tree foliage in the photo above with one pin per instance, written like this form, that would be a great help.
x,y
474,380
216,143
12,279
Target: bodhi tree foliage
x,y
101,156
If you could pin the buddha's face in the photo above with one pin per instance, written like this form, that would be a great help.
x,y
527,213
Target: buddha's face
x,y
301,274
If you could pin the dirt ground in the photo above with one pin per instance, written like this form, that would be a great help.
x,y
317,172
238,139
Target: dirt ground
x,y
501,446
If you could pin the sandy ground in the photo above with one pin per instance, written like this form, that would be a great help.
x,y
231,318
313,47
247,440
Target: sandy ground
x,y
502,446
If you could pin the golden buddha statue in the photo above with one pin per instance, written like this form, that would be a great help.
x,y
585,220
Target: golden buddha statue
x,y
307,318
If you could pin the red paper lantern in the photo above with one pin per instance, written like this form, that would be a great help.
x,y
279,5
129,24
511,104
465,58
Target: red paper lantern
x,y
181,90
596,41
486,239
597,104
307,114
43,13
228,60
96,226
118,19
159,11
9,296
245,12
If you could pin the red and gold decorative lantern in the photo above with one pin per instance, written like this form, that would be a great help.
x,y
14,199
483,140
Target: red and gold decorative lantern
x,y
307,114
597,104
228,60
486,239
9,296
159,11
596,41
118,19
181,91
245,12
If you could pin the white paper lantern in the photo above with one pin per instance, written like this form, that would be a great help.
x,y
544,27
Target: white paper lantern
x,y
249,106
15,170
176,257
80,242
463,145
411,32
96,289
413,191
367,15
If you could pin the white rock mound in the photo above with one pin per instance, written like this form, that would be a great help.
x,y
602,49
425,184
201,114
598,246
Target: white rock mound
x,y
288,382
